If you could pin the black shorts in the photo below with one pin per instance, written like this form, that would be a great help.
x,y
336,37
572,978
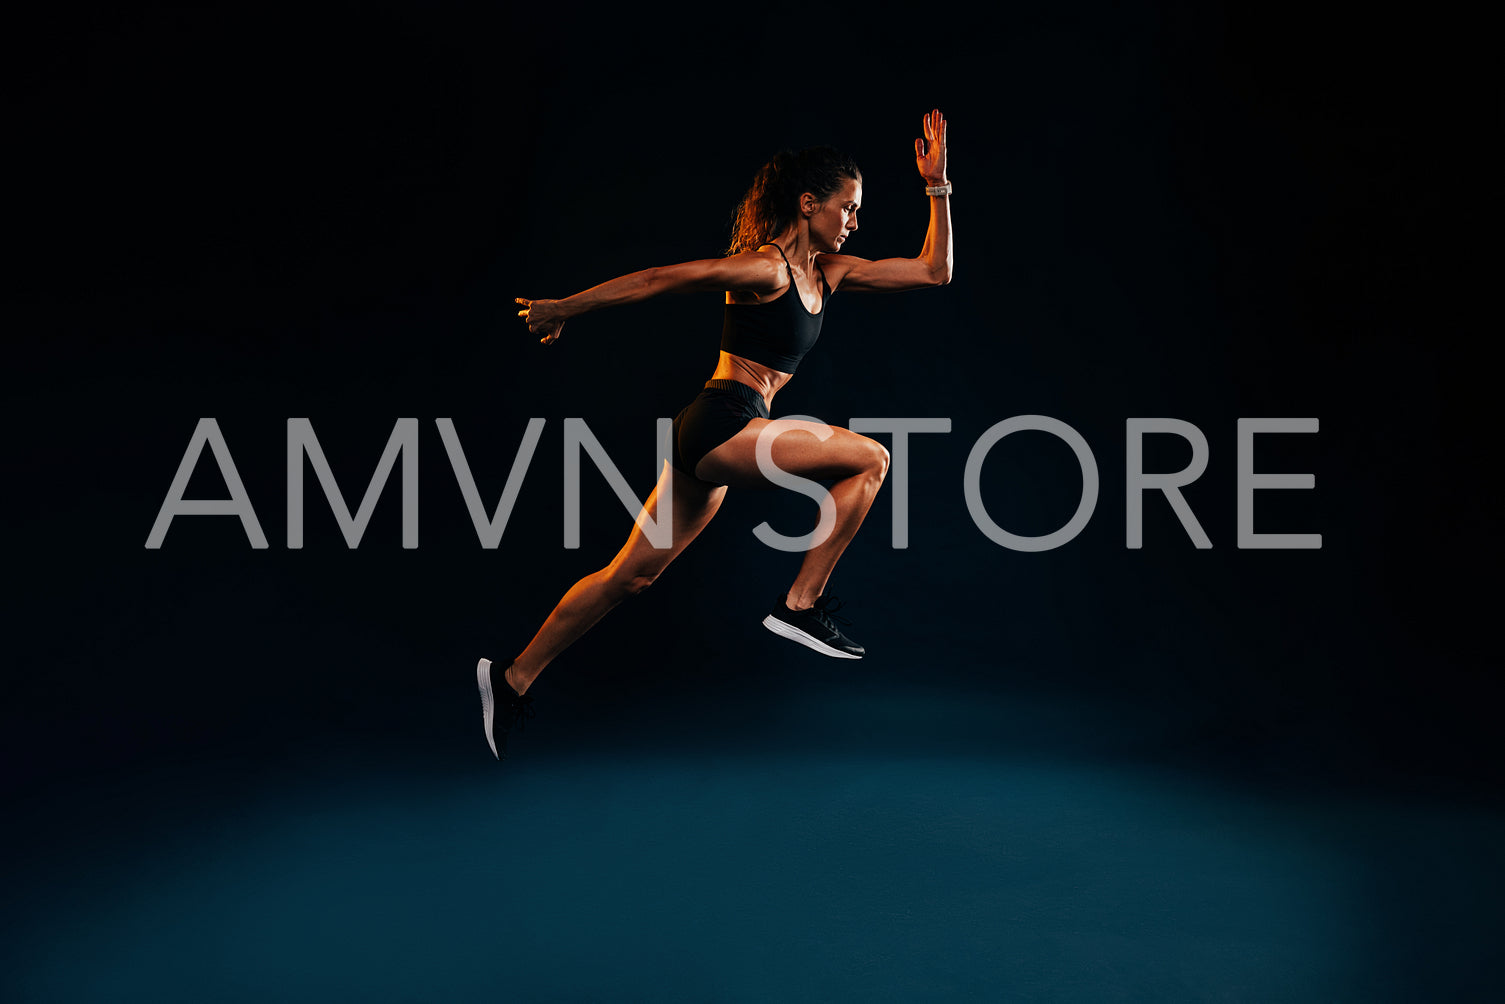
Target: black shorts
x,y
720,411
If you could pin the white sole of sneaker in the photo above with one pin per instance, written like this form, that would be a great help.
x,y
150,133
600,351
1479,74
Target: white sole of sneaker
x,y
784,630
488,702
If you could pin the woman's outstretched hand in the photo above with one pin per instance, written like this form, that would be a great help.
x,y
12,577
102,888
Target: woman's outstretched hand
x,y
930,150
543,317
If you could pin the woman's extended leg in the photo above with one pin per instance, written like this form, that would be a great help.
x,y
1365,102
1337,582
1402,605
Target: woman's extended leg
x,y
633,570
858,465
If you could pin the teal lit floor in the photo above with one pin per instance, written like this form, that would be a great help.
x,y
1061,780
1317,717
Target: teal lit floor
x,y
722,873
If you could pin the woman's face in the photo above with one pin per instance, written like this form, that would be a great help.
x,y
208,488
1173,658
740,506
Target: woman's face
x,y
836,218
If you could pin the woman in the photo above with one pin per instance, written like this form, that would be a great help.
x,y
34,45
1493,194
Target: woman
x,y
784,264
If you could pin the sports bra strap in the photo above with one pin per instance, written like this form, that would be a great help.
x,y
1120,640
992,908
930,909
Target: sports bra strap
x,y
790,267
782,255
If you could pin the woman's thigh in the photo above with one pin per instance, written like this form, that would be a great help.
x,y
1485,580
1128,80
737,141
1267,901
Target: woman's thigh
x,y
692,504
797,446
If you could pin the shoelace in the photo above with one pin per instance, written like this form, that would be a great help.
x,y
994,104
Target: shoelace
x,y
519,710
826,608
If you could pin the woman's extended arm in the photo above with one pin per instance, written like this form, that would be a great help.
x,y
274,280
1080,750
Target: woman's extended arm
x,y
744,271
932,267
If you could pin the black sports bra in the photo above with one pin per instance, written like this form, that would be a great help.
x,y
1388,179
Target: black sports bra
x,y
777,333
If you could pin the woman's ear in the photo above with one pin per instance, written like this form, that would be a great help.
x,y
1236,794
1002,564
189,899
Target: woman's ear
x,y
809,204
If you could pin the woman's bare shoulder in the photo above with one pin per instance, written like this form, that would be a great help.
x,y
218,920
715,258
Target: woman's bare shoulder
x,y
835,265
756,274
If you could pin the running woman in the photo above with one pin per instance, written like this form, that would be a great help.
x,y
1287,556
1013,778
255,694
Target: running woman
x,y
784,263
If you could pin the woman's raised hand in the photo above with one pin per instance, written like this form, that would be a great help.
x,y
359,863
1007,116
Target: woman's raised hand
x,y
543,317
930,150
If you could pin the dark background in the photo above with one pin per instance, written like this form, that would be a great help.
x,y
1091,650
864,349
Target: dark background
x,y
1196,211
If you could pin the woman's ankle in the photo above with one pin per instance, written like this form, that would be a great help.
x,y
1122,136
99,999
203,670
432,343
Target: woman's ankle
x,y
513,679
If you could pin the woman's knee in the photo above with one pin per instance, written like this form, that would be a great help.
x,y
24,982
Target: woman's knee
x,y
626,582
876,458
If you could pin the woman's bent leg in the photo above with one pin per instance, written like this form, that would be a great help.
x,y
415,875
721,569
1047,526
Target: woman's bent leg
x,y
857,464
853,496
633,570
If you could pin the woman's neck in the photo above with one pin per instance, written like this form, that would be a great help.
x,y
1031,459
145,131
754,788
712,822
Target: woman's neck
x,y
795,243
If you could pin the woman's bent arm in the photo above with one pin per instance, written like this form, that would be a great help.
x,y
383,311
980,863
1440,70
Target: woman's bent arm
x,y
933,265
888,275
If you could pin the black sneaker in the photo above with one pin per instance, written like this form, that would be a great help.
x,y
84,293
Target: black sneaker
x,y
813,628
499,714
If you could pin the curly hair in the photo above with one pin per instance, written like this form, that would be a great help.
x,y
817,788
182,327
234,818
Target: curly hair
x,y
772,203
